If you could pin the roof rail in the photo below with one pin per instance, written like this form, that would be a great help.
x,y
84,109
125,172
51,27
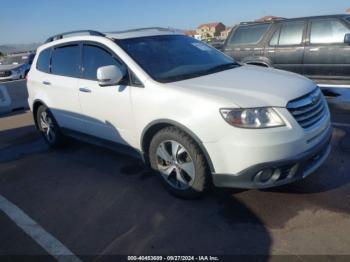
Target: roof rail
x,y
263,21
60,36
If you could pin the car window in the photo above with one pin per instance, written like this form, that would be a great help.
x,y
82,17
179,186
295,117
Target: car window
x,y
65,61
43,61
327,31
275,37
95,57
291,33
169,58
248,35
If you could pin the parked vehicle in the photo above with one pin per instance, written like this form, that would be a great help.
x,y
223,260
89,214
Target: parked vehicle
x,y
15,66
316,47
218,44
190,111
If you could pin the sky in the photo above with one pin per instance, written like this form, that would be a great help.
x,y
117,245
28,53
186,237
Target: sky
x,y
29,21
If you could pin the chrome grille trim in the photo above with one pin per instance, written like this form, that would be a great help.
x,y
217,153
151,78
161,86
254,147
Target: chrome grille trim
x,y
308,110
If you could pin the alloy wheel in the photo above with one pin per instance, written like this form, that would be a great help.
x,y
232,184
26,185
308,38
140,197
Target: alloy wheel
x,y
175,164
47,127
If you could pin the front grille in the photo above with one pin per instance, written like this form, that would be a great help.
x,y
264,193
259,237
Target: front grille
x,y
5,73
309,109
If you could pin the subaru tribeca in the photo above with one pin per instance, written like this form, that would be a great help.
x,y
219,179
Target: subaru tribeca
x,y
192,113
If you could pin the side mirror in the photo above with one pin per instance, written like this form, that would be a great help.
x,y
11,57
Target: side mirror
x,y
347,39
109,75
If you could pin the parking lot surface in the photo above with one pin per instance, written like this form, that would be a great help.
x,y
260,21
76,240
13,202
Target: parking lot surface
x,y
96,202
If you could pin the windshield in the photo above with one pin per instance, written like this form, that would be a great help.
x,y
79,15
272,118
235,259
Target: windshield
x,y
14,60
175,57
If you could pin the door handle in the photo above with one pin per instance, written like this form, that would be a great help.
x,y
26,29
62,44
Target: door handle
x,y
46,83
314,49
85,90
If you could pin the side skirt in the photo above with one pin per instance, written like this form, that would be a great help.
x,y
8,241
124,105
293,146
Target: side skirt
x,y
116,147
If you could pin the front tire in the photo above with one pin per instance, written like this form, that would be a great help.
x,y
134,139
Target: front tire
x,y
48,127
180,163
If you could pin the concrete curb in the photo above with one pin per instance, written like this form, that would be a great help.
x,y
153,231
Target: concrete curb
x,y
5,100
13,96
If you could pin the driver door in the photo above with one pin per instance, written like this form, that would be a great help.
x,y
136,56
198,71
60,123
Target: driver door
x,y
107,110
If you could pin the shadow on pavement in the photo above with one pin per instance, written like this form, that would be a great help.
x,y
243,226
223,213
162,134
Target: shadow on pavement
x,y
98,202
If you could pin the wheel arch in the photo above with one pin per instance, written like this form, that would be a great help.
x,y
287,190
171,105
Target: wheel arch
x,y
152,128
259,61
36,104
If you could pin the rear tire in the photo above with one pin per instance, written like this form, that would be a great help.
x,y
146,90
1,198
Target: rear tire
x,y
180,162
48,127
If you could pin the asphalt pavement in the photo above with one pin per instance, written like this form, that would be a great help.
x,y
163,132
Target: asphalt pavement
x,y
95,202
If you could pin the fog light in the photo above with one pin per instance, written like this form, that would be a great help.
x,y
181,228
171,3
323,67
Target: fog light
x,y
268,175
265,175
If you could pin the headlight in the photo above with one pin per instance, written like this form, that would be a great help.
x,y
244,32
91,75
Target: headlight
x,y
252,117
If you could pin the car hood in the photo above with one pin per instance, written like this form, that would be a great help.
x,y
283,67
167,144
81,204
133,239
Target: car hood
x,y
9,67
251,86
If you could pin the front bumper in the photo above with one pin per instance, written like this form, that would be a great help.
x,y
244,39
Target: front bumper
x,y
13,76
290,169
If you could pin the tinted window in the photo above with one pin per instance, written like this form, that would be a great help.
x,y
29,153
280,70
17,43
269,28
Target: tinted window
x,y
327,31
170,58
95,57
292,33
248,35
65,61
43,61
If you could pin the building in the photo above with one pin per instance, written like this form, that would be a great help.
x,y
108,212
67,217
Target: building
x,y
224,34
193,33
210,31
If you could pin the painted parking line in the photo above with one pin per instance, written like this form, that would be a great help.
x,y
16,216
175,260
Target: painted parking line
x,y
48,242
340,124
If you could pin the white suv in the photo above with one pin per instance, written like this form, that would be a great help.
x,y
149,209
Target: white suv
x,y
191,112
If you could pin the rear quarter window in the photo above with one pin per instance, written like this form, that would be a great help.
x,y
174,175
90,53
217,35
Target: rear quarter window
x,y
248,35
43,61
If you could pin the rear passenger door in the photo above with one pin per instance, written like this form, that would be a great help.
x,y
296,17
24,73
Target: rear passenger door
x,y
61,86
107,109
245,43
326,54
287,46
